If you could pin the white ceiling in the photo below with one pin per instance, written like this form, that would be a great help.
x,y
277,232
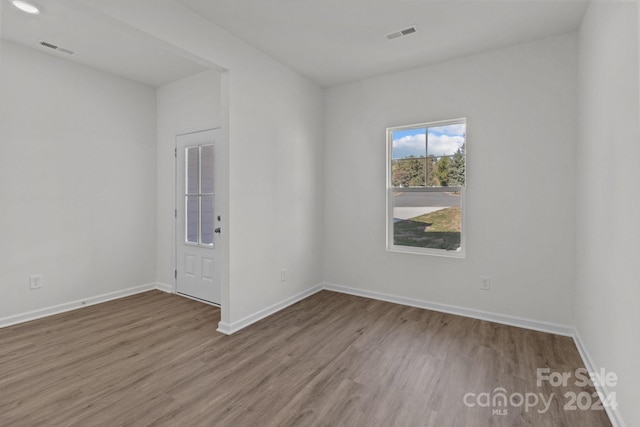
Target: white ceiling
x,y
329,41
336,41
97,41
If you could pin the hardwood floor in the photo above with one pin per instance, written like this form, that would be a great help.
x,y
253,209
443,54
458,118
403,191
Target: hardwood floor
x,y
330,360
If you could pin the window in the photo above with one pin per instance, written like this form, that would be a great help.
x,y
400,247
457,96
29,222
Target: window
x,y
426,182
199,195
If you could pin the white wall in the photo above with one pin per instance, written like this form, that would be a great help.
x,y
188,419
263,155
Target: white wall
x,y
190,104
608,207
274,123
77,181
520,105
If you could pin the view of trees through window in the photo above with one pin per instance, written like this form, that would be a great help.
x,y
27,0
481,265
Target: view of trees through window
x,y
443,171
427,181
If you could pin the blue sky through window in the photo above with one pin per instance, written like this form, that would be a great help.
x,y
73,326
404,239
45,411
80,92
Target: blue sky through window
x,y
443,141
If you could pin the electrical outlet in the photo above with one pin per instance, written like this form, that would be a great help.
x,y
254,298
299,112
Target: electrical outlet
x,y
283,275
485,283
35,282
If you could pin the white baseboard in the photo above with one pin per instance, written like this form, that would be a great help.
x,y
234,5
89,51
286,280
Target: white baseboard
x,y
460,311
225,328
614,415
73,305
231,328
164,287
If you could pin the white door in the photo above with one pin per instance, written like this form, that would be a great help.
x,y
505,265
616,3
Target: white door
x,y
196,226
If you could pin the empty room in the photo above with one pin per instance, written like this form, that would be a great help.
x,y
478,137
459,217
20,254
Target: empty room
x,y
319,213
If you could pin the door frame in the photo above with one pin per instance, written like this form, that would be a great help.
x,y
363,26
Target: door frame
x,y
217,177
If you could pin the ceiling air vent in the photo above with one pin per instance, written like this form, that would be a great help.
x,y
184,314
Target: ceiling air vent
x,y
67,51
402,33
58,48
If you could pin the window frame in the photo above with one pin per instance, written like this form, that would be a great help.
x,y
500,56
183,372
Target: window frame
x,y
390,245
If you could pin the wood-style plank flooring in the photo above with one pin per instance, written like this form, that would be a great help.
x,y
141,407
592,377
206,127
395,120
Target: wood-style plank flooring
x,y
330,360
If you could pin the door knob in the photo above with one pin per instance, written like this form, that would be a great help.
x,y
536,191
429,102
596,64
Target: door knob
x,y
217,230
